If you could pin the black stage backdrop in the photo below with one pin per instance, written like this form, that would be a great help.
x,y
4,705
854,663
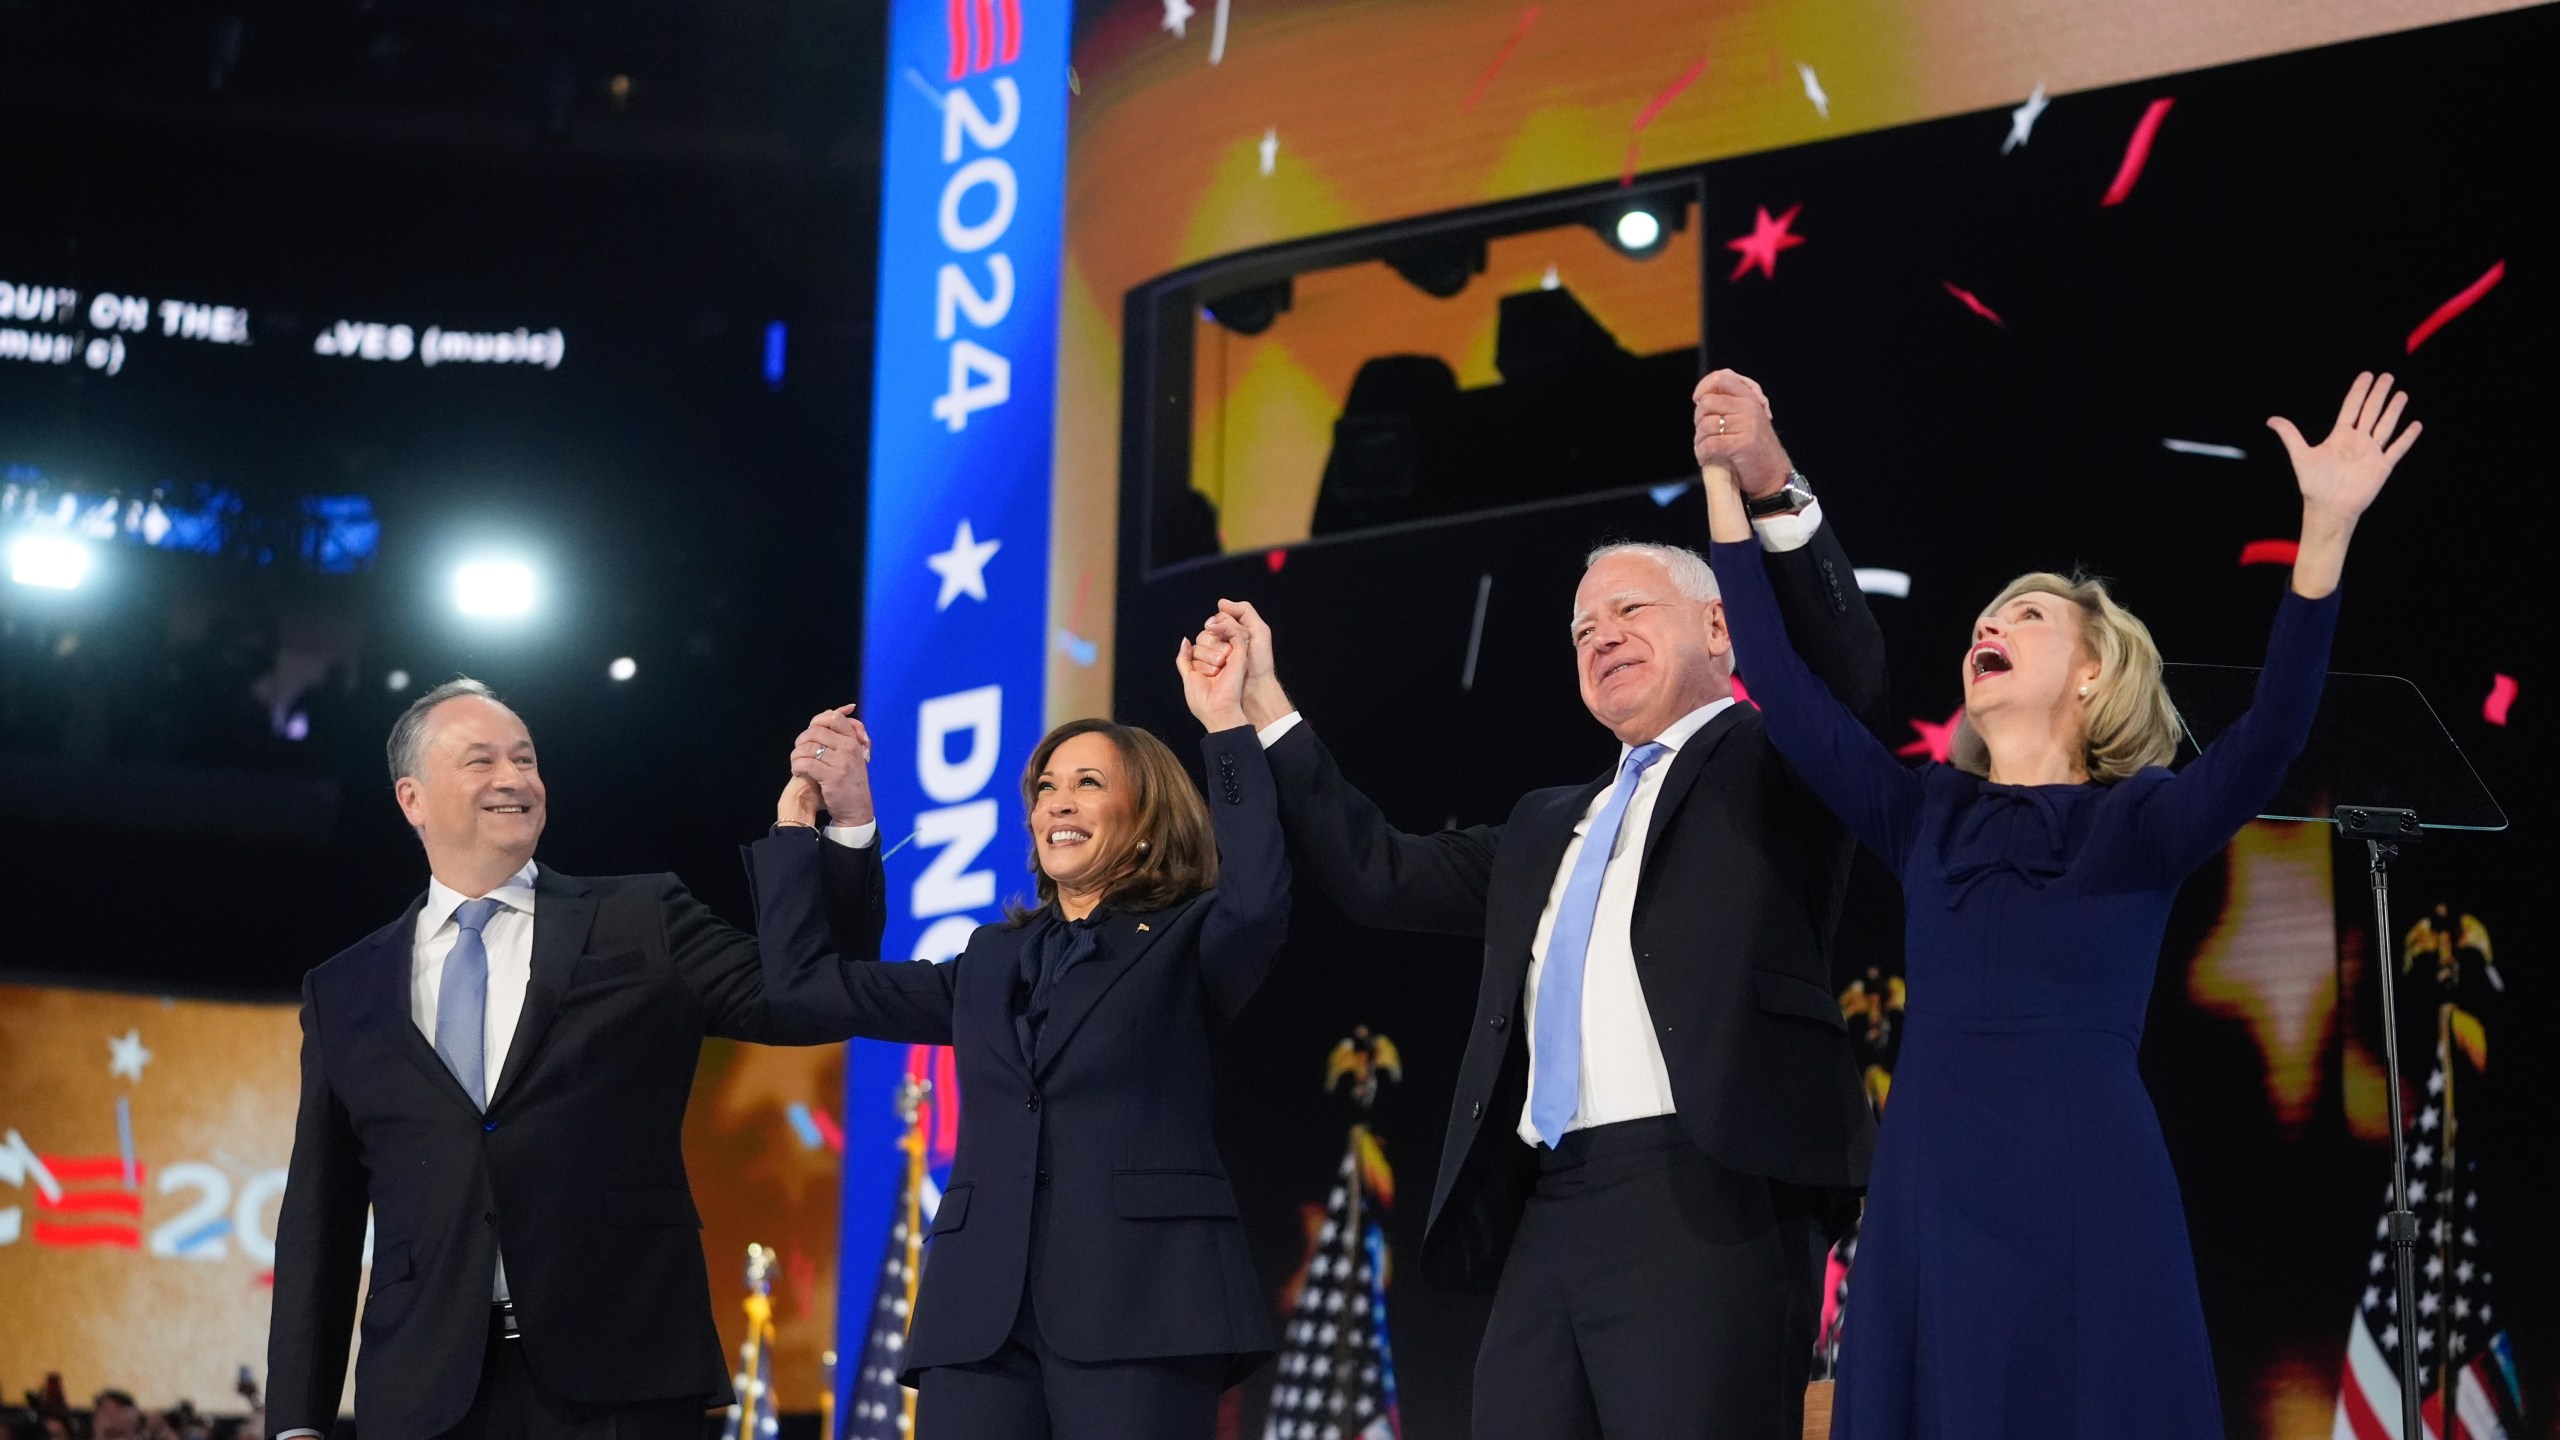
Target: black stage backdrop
x,y
2297,219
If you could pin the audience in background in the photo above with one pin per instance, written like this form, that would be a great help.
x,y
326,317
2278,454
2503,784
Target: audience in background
x,y
115,1415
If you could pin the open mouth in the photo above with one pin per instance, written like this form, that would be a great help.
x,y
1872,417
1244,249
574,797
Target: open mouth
x,y
1613,671
1064,835
1990,658
509,809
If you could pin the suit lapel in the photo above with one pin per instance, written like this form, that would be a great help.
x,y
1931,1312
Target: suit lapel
x,y
1545,835
387,975
1682,777
993,976
1124,938
563,911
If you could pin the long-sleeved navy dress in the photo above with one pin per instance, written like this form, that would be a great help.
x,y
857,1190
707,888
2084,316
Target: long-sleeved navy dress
x,y
2023,1272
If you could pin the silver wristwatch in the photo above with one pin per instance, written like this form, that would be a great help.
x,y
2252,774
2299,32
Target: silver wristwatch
x,y
1788,499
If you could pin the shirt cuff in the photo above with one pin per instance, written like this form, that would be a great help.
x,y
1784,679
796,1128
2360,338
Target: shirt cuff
x,y
1270,734
1781,533
858,837
289,1434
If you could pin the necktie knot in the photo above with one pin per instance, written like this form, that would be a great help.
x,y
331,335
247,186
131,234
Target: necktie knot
x,y
1641,758
473,915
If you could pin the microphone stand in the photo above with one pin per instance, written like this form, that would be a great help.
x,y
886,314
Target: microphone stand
x,y
2384,830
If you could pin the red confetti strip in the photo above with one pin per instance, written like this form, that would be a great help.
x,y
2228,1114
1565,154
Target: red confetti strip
x,y
1501,58
1670,93
828,1129
1974,303
2445,312
2270,552
2137,151
1935,739
1275,559
1627,170
75,1236
2502,694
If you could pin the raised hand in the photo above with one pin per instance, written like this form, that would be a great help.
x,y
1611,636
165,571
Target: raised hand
x,y
1215,695
834,755
1238,630
2341,475
1734,430
799,803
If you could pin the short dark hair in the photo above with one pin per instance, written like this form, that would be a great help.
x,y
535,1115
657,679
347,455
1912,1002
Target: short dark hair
x,y
1179,858
409,732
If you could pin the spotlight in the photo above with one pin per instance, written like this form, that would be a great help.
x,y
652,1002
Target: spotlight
x,y
50,562
1639,230
623,668
1440,270
1642,228
396,681
494,588
1251,311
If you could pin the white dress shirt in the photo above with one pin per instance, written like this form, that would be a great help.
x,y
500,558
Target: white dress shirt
x,y
1623,1075
508,937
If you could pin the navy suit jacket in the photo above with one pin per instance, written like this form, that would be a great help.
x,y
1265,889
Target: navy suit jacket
x,y
576,1170
1141,1254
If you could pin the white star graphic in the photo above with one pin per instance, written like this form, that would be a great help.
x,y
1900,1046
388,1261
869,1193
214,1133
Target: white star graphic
x,y
1177,15
127,1055
1813,91
2435,1082
2427,1120
2372,1296
2423,1156
2022,121
963,567
1270,149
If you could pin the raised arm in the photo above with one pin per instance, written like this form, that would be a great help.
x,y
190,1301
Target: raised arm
x,y
813,992
1248,914
1832,750
2196,813
1376,874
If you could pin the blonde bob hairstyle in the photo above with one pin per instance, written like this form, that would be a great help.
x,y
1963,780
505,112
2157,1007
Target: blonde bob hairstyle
x,y
1170,855
2130,723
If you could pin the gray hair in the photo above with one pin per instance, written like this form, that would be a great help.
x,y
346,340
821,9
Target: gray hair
x,y
409,732
1690,572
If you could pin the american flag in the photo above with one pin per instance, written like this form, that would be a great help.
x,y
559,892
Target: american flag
x,y
1337,1371
876,1404
2462,1348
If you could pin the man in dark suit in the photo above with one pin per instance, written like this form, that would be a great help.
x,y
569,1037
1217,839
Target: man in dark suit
x,y
1658,1109
501,1075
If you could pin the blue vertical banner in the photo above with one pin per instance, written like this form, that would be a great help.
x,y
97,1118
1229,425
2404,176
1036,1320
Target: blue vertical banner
x,y
972,202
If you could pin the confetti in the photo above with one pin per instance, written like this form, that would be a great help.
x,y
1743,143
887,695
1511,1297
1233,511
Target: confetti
x,y
1813,91
2137,151
2022,121
1177,18
1501,57
2502,694
1475,632
1878,581
1759,249
1077,648
803,1126
1274,559
924,87
2445,312
2270,552
1668,491
1270,148
1935,739
2205,447
124,1138
1974,303
1671,92
1218,39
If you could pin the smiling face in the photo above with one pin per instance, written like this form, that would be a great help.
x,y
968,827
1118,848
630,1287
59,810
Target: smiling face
x,y
1083,810
2027,659
476,796
1645,653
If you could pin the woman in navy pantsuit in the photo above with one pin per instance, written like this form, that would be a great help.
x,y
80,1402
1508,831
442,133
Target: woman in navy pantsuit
x,y
1087,1274
2024,1272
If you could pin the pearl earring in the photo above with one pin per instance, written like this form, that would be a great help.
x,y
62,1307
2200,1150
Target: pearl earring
x,y
1142,845
2084,692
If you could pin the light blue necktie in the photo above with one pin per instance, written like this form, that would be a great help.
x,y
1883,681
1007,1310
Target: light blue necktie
x,y
462,1002
1555,1086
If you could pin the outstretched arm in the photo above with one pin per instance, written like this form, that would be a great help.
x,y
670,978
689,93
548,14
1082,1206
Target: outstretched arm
x,y
2188,818
1378,875
811,991
1249,909
1831,749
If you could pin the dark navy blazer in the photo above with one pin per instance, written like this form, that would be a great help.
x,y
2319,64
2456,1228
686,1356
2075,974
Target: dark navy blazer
x,y
1142,1254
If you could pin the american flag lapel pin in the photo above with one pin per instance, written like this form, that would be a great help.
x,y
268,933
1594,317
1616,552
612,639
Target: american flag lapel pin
x,y
1142,927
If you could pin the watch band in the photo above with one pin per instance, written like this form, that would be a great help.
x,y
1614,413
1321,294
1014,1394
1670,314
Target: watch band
x,y
1788,499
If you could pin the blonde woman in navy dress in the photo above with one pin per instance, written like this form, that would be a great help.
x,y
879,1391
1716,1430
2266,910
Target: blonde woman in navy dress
x,y
2024,1271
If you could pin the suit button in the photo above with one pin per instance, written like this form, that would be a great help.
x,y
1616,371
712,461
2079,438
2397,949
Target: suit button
x,y
1031,1101
492,1125
1475,1111
488,1217
1500,1020
1039,1178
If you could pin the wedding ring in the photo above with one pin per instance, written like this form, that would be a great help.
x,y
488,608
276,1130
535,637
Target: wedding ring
x,y
1720,424
822,752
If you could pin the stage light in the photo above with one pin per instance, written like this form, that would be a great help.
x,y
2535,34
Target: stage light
x,y
494,588
396,681
1639,230
1440,270
623,668
1251,311
48,562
